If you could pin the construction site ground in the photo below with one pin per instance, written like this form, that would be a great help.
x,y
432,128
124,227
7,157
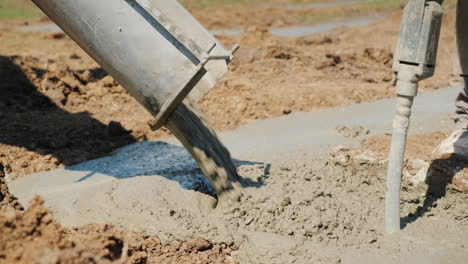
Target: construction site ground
x,y
306,117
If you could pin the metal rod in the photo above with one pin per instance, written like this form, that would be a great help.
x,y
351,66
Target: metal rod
x,y
396,159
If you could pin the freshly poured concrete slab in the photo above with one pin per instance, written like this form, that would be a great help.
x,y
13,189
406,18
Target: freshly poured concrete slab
x,y
145,185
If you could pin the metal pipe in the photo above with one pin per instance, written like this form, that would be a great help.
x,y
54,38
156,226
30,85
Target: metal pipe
x,y
154,48
396,160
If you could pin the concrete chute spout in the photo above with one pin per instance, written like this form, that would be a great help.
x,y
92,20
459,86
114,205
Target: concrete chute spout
x,y
154,48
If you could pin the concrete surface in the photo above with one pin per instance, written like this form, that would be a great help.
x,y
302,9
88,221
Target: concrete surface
x,y
264,141
156,187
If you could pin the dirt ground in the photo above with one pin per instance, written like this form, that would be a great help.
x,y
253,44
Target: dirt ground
x,y
58,108
78,112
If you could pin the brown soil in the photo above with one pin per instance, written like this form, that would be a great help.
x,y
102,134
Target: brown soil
x,y
32,236
419,156
417,147
59,108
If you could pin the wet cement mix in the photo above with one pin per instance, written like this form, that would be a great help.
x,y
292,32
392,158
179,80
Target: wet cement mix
x,y
58,108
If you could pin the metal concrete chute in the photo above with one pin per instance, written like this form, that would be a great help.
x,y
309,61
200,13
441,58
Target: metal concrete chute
x,y
195,31
154,48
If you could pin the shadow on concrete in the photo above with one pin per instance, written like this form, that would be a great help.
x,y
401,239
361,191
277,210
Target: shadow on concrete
x,y
439,175
159,159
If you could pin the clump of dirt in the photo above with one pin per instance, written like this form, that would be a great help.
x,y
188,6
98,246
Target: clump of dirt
x,y
352,132
338,201
130,247
33,237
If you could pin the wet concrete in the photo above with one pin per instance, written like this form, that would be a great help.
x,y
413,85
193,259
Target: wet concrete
x,y
157,188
